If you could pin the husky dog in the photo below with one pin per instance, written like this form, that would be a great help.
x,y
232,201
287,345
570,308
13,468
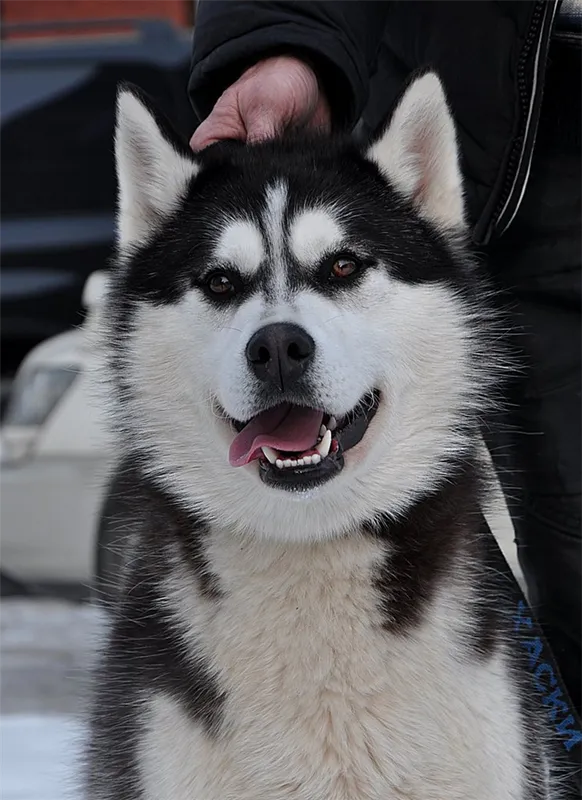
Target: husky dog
x,y
302,355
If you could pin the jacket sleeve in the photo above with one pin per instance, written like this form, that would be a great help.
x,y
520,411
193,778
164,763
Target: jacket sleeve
x,y
339,39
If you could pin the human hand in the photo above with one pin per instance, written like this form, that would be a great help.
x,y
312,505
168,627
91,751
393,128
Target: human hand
x,y
272,96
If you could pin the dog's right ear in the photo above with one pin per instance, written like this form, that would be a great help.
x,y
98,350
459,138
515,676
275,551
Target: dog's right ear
x,y
154,169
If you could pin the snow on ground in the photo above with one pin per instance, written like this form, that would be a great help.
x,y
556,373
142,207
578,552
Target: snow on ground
x,y
47,650
40,757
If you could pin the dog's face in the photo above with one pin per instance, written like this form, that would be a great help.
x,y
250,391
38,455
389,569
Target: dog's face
x,y
291,329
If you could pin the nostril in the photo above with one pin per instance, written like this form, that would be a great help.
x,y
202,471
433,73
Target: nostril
x,y
262,356
298,353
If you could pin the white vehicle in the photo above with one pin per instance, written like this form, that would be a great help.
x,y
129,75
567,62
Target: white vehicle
x,y
54,459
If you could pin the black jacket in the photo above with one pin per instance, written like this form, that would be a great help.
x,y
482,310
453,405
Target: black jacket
x,y
491,57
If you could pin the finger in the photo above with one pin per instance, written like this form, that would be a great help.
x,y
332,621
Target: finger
x,y
210,134
261,130
321,119
223,123
199,141
263,120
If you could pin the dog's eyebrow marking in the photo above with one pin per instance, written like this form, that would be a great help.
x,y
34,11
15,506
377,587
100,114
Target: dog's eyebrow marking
x,y
241,244
313,234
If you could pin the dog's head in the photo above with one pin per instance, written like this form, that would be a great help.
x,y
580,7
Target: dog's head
x,y
293,333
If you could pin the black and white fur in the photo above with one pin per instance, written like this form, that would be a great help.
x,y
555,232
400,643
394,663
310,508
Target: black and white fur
x,y
342,643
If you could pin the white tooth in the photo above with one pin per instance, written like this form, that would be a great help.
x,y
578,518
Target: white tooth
x,y
270,454
325,444
315,459
287,462
307,459
322,430
300,462
332,424
279,463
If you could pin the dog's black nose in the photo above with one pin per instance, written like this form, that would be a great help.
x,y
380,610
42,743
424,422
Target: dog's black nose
x,y
280,353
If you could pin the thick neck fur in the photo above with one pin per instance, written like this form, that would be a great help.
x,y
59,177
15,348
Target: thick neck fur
x,y
402,560
304,670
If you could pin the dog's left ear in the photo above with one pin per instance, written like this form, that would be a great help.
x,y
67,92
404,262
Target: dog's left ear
x,y
417,152
154,168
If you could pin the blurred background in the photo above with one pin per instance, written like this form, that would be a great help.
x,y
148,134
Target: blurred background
x,y
61,63
61,551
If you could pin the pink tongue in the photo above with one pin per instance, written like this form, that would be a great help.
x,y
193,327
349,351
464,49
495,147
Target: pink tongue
x,y
289,428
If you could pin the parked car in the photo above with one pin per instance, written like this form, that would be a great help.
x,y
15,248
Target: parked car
x,y
58,186
55,459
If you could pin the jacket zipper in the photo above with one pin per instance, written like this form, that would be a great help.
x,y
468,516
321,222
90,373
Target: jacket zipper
x,y
519,163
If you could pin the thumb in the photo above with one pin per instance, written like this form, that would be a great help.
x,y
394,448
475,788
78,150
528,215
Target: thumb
x,y
211,131
224,122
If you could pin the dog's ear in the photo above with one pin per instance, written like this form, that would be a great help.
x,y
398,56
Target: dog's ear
x,y
154,168
417,152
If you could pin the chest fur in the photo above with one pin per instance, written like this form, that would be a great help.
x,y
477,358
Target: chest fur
x,y
321,702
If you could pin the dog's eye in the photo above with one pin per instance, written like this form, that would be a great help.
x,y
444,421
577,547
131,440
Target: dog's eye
x,y
220,284
344,267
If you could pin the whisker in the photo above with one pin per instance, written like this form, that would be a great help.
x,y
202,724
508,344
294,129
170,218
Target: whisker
x,y
331,319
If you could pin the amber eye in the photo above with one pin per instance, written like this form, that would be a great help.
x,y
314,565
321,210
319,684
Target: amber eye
x,y
220,284
344,267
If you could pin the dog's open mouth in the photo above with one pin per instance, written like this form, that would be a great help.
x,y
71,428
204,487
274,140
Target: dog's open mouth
x,y
298,447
